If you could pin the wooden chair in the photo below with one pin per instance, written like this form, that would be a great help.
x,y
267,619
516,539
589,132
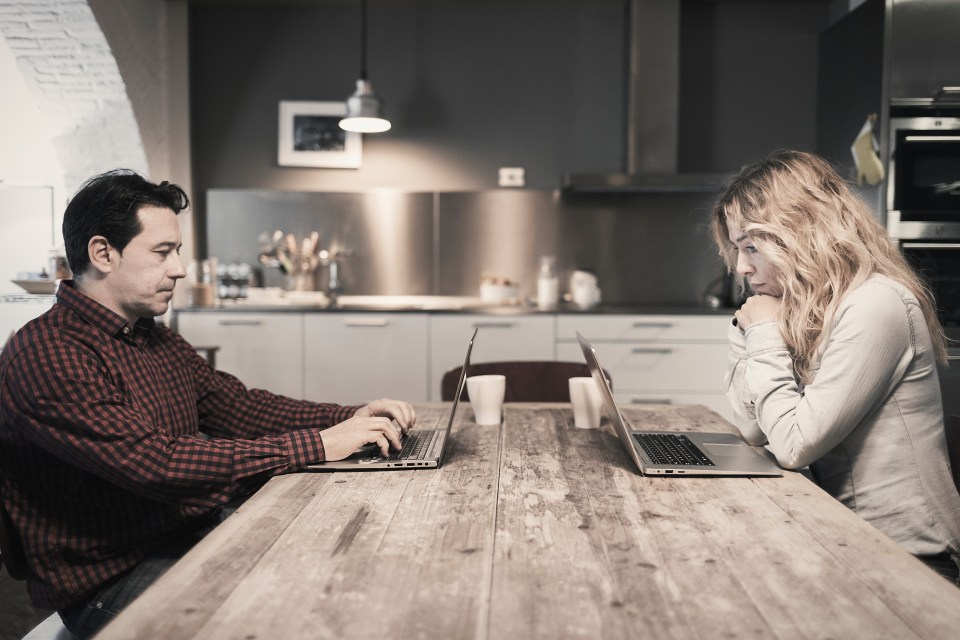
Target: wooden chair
x,y
527,381
951,425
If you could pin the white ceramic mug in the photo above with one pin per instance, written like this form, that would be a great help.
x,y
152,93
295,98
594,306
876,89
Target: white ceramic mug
x,y
587,402
486,397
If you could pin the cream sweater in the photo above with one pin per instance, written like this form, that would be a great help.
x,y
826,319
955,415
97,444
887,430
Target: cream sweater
x,y
870,424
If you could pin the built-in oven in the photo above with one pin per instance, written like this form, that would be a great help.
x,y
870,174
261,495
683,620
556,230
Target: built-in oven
x,y
923,214
923,185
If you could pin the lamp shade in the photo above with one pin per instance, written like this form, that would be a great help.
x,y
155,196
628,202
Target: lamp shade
x,y
364,111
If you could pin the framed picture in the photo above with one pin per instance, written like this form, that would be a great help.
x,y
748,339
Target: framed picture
x,y
310,136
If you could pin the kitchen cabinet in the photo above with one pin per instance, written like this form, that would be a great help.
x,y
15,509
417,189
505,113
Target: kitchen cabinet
x,y
354,358
924,47
18,311
264,350
513,337
655,358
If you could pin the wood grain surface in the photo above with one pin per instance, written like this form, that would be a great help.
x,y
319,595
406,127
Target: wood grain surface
x,y
537,529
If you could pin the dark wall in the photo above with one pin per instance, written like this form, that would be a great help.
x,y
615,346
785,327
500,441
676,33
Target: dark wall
x,y
748,81
474,86
470,87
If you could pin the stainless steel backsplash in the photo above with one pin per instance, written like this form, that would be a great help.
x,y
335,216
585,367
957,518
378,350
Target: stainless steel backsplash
x,y
645,248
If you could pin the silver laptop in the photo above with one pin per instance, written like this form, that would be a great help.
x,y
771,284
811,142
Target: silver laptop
x,y
688,453
420,448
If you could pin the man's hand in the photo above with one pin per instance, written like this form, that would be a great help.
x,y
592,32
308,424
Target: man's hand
x,y
400,411
381,423
340,440
759,308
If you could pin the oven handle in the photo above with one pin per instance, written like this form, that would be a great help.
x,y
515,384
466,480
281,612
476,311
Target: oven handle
x,y
930,245
932,138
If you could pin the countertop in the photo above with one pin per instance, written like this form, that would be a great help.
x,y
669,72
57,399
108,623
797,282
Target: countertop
x,y
453,305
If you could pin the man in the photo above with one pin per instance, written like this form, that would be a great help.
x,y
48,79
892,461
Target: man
x,y
102,462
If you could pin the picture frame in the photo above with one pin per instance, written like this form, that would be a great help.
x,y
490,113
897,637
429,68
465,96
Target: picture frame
x,y
310,136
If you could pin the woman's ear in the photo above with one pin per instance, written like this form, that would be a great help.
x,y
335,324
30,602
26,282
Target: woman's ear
x,y
99,251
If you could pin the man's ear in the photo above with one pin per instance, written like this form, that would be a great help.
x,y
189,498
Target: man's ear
x,y
99,250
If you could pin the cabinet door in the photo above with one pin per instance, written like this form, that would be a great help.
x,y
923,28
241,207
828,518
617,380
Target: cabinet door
x,y
716,402
264,350
353,358
643,328
924,48
661,366
498,338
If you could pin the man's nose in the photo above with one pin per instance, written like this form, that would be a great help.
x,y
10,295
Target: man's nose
x,y
177,268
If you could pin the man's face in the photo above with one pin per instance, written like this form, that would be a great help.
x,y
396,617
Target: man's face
x,y
144,275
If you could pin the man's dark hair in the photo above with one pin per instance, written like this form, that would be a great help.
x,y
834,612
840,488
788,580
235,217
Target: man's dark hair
x,y
107,205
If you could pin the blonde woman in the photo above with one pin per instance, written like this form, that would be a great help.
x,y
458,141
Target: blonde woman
x,y
833,360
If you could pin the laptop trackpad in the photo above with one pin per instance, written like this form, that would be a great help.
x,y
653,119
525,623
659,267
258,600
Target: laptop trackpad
x,y
724,450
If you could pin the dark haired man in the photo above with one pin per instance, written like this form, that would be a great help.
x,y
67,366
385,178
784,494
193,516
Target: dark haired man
x,y
102,463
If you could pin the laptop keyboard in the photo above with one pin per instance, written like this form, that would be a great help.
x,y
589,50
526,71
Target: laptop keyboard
x,y
672,448
415,446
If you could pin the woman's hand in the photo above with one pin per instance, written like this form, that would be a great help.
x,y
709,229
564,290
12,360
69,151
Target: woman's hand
x,y
759,308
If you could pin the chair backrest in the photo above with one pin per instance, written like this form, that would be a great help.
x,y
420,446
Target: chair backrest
x,y
11,549
951,425
527,381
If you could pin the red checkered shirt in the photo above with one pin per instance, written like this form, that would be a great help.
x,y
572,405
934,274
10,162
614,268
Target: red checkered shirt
x,y
102,460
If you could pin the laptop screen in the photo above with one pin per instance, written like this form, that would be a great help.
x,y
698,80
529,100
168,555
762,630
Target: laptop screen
x,y
456,396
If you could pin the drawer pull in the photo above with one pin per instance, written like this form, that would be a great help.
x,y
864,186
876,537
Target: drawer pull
x,y
240,323
365,322
651,401
652,325
492,325
652,350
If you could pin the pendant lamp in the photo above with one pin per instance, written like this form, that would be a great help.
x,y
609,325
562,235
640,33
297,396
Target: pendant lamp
x,y
364,107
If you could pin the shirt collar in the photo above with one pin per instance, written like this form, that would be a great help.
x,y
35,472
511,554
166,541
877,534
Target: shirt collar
x,y
101,317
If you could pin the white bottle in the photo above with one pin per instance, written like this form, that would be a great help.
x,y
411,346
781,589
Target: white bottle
x,y
548,284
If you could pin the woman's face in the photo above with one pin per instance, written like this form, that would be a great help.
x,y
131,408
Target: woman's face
x,y
754,265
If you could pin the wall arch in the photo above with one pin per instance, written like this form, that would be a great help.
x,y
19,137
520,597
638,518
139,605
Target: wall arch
x,y
70,73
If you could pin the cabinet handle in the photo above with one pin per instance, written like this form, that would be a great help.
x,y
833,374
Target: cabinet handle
x,y
932,138
652,325
240,323
930,245
651,401
652,350
492,325
365,322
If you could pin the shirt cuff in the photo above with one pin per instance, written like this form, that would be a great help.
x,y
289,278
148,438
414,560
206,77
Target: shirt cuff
x,y
306,447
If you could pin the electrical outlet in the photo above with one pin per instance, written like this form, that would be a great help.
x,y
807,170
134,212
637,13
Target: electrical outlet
x,y
511,177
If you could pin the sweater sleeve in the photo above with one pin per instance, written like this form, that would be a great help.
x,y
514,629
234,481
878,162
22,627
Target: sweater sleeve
x,y
866,355
738,394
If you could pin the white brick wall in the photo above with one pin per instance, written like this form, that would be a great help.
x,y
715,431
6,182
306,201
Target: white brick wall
x,y
67,64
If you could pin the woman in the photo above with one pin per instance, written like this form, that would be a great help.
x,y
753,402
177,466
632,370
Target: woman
x,y
833,360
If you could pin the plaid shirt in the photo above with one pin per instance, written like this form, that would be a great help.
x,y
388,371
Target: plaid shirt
x,y
101,457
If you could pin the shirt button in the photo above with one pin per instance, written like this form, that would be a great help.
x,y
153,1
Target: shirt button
x,y
126,330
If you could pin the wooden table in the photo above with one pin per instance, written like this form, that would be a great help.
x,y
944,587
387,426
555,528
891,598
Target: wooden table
x,y
537,529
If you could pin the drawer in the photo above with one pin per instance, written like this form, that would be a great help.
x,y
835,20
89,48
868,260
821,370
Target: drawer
x,y
661,366
609,328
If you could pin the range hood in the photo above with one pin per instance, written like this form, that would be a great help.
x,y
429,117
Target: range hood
x,y
652,111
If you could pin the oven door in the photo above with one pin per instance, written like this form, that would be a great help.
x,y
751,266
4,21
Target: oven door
x,y
950,382
923,198
938,263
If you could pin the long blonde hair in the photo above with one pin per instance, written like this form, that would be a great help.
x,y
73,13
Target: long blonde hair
x,y
822,241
